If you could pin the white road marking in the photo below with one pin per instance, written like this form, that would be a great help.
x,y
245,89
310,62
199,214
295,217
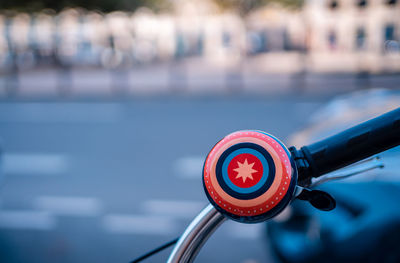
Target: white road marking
x,y
250,260
244,231
72,206
189,167
174,208
139,224
34,163
26,219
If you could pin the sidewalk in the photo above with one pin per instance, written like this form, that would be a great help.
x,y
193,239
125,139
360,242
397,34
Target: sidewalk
x,y
194,77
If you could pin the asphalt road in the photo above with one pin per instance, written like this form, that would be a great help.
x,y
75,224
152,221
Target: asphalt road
x,y
107,181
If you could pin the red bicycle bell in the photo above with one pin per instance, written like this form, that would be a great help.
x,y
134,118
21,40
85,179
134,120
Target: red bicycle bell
x,y
249,176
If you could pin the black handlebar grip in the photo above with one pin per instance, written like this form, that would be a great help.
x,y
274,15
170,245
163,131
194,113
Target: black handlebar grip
x,y
354,144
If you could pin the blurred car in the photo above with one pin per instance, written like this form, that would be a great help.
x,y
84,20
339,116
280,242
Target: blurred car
x,y
365,226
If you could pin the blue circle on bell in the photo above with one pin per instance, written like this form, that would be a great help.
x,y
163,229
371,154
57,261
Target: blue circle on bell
x,y
236,188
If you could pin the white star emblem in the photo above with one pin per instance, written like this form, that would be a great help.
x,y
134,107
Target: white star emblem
x,y
245,170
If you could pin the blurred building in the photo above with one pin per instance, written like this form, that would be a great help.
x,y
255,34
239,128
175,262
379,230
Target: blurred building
x,y
324,36
353,35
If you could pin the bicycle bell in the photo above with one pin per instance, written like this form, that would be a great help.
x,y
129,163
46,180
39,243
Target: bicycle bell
x,y
249,176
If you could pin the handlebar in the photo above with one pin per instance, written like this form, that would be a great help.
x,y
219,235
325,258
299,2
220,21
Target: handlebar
x,y
196,234
352,145
248,154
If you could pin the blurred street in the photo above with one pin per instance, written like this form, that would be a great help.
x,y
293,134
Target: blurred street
x,y
106,182
108,109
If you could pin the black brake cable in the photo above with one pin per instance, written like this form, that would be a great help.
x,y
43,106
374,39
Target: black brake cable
x,y
156,250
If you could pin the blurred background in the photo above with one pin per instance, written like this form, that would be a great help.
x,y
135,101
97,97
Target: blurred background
x,y
108,109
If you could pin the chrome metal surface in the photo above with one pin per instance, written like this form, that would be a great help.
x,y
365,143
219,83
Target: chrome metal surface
x,y
196,234
297,191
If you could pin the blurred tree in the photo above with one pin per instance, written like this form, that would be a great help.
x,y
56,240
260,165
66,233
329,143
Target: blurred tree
x,y
241,6
102,5
245,6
